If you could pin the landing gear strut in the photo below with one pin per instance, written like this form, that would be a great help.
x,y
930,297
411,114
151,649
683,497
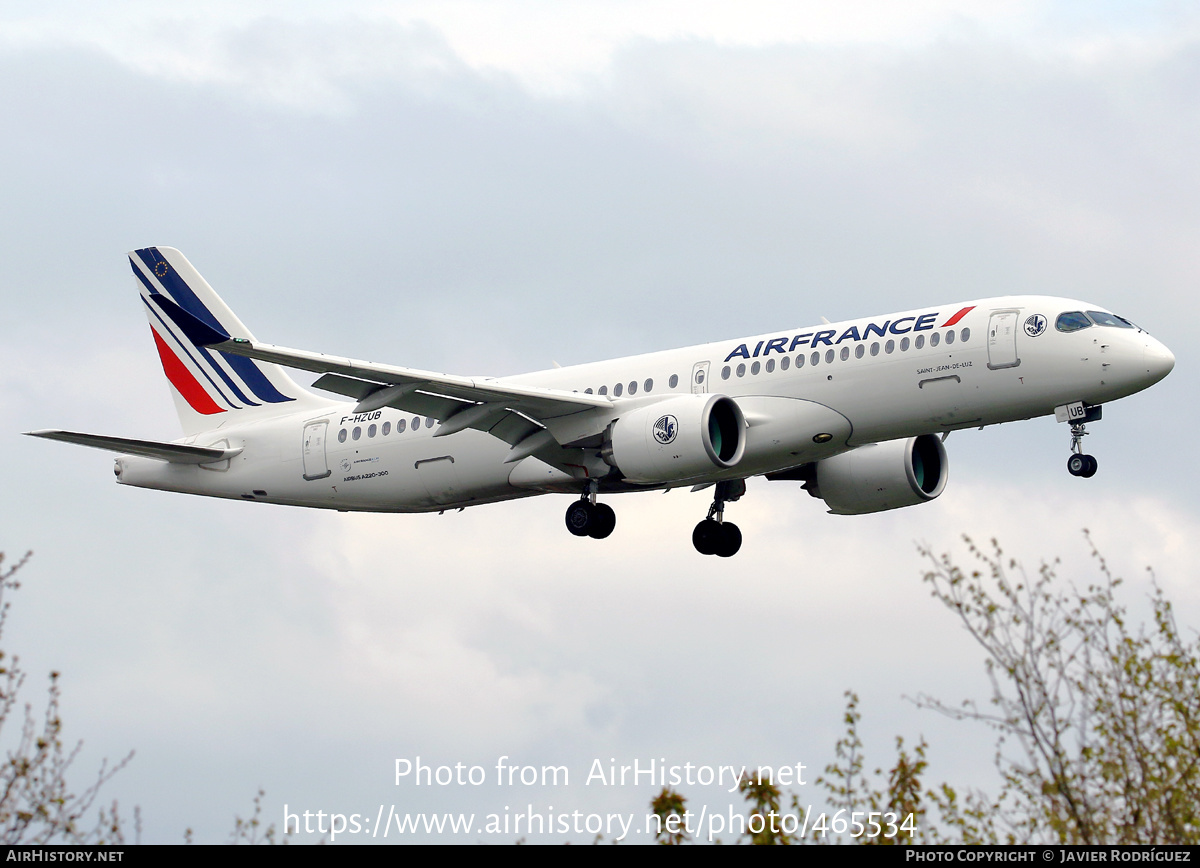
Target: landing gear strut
x,y
586,517
1079,464
714,535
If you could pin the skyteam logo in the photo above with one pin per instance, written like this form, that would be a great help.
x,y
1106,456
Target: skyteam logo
x,y
665,429
1035,325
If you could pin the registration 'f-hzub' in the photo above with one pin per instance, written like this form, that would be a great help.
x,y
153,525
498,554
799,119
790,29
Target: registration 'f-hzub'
x,y
853,410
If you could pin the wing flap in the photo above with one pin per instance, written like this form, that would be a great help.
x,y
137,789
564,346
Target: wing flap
x,y
511,426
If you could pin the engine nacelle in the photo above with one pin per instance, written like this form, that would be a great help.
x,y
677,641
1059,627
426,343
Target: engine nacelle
x,y
883,476
679,438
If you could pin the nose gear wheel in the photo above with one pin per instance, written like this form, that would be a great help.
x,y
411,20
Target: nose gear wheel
x,y
1080,464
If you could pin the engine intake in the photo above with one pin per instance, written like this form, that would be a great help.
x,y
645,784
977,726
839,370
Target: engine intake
x,y
883,476
676,439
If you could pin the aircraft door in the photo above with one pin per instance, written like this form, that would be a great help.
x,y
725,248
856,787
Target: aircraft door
x,y
1002,340
700,378
315,465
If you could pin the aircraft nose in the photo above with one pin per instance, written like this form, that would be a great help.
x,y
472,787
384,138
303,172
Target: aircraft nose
x,y
1158,360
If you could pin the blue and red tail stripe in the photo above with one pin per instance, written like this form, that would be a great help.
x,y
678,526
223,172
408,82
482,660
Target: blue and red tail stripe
x,y
177,289
183,381
168,328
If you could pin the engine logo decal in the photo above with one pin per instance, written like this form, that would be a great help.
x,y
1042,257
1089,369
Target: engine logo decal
x,y
665,429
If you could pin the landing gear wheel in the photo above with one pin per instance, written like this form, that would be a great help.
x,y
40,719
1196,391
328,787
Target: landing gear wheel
x,y
581,517
603,521
722,539
706,537
1082,465
714,535
729,540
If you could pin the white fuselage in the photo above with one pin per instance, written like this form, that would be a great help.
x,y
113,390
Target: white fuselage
x,y
862,381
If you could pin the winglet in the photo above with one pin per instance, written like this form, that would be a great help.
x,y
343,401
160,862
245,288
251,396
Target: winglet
x,y
197,331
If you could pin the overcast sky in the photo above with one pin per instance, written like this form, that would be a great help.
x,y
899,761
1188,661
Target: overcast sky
x,y
487,188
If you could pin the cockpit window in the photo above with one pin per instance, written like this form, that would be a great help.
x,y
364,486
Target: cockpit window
x,y
1107,319
1072,321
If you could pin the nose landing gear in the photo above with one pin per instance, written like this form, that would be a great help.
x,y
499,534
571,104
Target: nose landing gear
x,y
714,535
1080,464
1078,414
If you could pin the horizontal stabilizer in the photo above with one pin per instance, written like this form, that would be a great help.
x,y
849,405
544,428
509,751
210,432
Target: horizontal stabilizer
x,y
173,452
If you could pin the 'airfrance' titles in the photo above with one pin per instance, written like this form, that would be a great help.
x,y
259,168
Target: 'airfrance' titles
x,y
901,326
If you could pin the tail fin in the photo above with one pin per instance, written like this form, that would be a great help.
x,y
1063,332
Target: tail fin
x,y
207,384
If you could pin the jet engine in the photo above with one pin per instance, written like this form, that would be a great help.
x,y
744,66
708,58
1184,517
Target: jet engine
x,y
883,476
679,438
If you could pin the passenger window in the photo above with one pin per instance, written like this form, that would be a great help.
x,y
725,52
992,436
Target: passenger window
x,y
356,433
935,339
785,363
725,371
633,387
387,428
920,341
889,347
904,345
416,423
770,365
741,370
400,426
950,336
859,350
845,353
617,390
648,385
673,382
1072,321
754,369
829,357
964,335
342,436
429,420
875,348
603,390
588,390
814,359
372,430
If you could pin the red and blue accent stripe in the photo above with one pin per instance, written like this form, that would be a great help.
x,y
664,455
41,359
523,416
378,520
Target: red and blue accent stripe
x,y
228,368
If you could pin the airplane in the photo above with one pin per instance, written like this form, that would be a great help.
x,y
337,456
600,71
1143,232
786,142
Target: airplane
x,y
856,411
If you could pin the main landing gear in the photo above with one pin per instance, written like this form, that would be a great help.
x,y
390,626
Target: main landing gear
x,y
1079,464
586,517
714,535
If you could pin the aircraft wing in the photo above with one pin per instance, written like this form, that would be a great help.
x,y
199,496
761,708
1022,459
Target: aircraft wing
x,y
508,411
174,453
